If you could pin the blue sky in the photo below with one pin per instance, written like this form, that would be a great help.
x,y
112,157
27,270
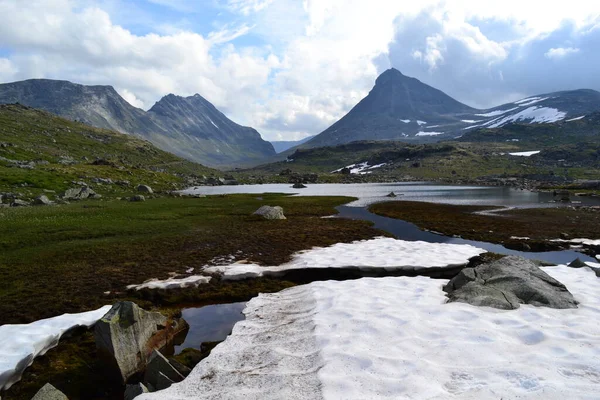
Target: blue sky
x,y
291,68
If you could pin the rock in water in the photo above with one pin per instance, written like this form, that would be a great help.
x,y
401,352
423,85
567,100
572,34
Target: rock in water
x,y
269,212
144,189
127,335
49,392
391,194
299,185
507,283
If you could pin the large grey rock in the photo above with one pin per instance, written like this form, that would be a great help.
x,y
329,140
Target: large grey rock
x,y
126,335
144,189
133,391
507,283
160,368
19,203
80,193
42,200
49,392
269,212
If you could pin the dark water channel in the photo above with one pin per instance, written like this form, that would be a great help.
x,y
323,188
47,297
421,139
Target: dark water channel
x,y
407,231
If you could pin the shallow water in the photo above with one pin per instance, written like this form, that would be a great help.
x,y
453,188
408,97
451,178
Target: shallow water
x,y
210,323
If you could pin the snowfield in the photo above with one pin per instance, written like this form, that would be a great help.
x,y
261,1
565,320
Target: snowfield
x,y
360,168
394,338
368,255
535,114
20,344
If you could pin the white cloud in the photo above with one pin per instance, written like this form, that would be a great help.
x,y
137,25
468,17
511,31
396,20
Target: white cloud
x,y
303,65
560,52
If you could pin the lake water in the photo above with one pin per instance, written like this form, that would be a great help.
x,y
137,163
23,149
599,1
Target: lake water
x,y
369,193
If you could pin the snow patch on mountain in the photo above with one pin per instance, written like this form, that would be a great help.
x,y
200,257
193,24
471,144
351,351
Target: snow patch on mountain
x,y
530,101
421,122
429,133
576,119
535,114
360,168
525,153
496,113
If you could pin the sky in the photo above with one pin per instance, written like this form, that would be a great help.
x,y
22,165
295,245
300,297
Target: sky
x,y
291,68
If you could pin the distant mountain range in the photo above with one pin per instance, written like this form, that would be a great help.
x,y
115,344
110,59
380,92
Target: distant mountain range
x,y
283,145
190,127
403,108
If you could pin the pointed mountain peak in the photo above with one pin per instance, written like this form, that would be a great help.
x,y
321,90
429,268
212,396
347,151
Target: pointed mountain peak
x,y
389,75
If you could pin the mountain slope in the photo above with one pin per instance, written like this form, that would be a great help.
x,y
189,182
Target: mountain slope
x,y
176,124
403,108
40,151
195,128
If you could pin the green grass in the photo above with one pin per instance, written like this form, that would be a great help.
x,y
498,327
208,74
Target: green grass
x,y
63,258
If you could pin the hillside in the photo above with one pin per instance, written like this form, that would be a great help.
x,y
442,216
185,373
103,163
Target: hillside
x,y
42,153
190,127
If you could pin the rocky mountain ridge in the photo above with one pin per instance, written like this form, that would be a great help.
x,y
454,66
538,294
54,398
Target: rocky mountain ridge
x,y
189,127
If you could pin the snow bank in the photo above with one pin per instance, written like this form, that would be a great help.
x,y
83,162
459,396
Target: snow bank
x,y
394,338
172,283
525,153
586,242
377,254
20,344
429,133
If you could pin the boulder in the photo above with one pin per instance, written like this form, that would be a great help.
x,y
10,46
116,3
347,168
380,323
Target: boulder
x,y
144,189
269,212
506,283
42,200
19,203
137,197
133,391
160,368
80,193
127,335
49,392
299,185
391,194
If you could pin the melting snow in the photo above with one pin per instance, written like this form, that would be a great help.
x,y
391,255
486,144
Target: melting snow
x,y
576,119
360,168
172,283
421,122
211,121
406,121
429,133
20,344
380,253
530,101
496,113
535,114
525,153
469,121
395,338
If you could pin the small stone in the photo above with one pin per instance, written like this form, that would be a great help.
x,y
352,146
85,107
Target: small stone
x,y
159,368
299,185
42,200
137,198
19,203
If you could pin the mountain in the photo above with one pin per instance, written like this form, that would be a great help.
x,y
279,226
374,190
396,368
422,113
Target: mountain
x,y
403,108
196,129
283,145
189,127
